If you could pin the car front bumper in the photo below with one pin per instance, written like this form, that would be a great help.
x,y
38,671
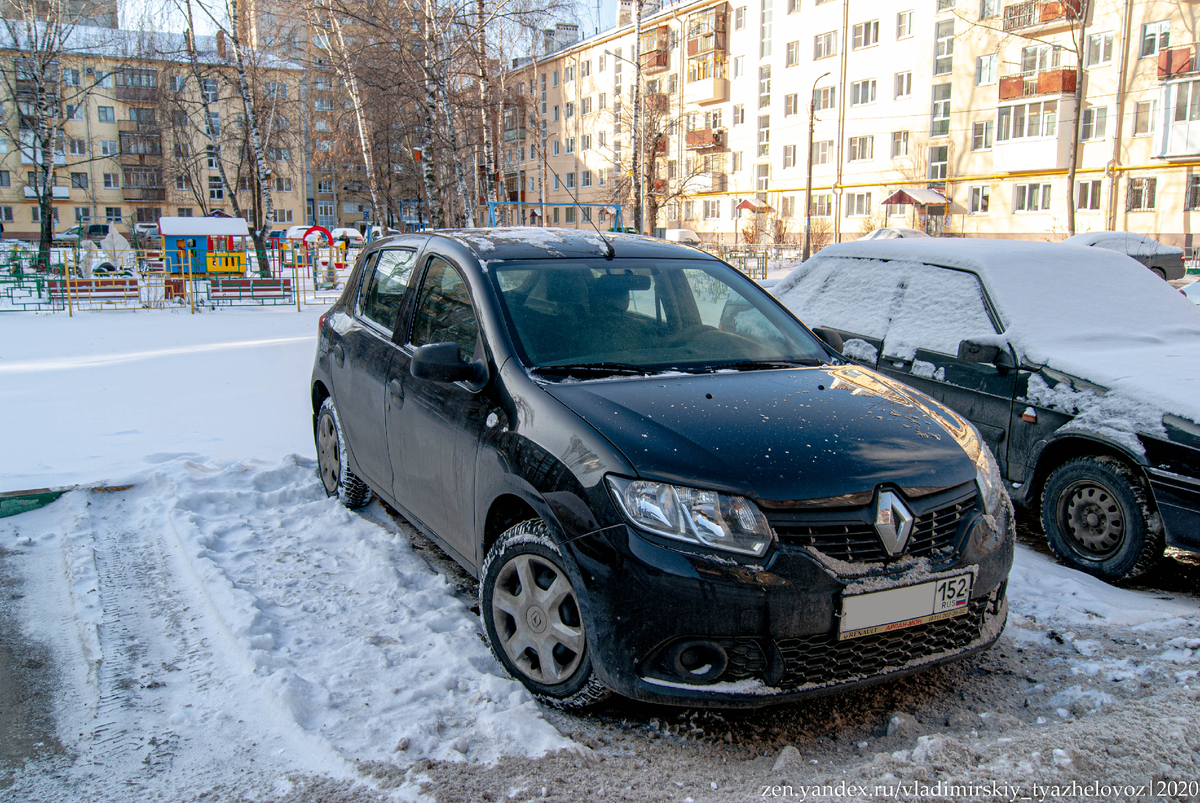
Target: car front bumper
x,y
774,624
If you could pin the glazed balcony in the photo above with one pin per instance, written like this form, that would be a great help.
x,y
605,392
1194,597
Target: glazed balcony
x,y
703,138
1044,14
1029,84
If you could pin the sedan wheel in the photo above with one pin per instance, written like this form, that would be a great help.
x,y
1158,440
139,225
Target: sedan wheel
x,y
1097,518
328,454
533,621
335,472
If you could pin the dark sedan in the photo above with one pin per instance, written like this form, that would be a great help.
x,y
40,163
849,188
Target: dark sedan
x,y
659,498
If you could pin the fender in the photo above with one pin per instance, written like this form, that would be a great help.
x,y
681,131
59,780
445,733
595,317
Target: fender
x,y
1022,495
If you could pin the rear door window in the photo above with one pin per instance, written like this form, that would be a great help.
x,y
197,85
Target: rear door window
x,y
384,286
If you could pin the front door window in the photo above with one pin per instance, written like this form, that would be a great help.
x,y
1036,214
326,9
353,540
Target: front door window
x,y
444,313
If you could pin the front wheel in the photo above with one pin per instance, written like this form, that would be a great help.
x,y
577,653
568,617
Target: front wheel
x,y
532,620
1097,519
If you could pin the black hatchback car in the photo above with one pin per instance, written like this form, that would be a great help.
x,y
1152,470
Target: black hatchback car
x,y
659,499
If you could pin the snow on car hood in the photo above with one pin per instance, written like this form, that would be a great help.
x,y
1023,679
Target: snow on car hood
x,y
776,435
1088,313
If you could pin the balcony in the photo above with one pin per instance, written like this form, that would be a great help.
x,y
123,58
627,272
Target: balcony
x,y
707,91
138,94
1043,13
707,42
1049,82
1176,61
56,193
513,134
138,127
658,102
703,138
1033,152
655,60
144,193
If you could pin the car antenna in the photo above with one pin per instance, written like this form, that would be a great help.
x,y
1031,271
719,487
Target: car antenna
x,y
609,253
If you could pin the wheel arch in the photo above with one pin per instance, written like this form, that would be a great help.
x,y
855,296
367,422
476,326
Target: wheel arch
x,y
506,510
1055,453
319,394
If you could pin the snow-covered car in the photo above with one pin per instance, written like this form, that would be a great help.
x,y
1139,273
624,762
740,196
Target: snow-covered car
x,y
95,232
1166,261
352,234
1080,368
654,504
893,233
297,233
1192,291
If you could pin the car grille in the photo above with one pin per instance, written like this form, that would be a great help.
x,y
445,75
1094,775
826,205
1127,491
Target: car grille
x,y
850,535
823,660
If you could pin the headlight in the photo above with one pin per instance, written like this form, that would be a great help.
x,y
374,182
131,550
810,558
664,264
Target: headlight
x,y
704,518
987,476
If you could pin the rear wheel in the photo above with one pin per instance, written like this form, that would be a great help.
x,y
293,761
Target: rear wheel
x,y
335,472
532,620
1160,273
1097,519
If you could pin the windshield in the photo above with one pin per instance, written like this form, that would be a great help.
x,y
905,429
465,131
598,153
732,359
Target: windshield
x,y
590,316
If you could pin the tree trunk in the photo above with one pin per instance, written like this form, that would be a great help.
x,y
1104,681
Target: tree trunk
x,y
364,143
460,175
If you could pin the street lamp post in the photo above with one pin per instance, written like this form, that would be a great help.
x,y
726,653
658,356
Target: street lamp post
x,y
812,120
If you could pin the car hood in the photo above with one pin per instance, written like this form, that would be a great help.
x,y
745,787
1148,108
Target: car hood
x,y
777,435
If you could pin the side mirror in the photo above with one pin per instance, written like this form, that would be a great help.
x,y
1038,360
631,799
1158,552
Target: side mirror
x,y
830,337
970,351
439,362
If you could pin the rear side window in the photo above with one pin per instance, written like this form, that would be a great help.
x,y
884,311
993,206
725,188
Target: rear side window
x,y
444,312
853,295
384,287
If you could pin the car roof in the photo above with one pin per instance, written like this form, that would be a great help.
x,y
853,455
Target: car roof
x,y
531,242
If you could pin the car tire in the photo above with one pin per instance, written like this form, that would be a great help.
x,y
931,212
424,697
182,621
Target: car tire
x,y
332,465
1097,518
525,557
1160,273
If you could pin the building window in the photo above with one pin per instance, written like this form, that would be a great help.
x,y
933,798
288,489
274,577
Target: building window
x,y
764,86
585,178
765,29
825,45
764,135
940,125
570,144
106,114
944,49
216,190
988,9
1095,120
77,147
822,205
939,162
1140,196
569,180
1191,196
208,88
739,114
865,34
83,214
945,5
182,182
1099,49
861,149
711,208
823,152
824,98
1143,117
739,18
6,214
1156,36
5,178
585,107
1031,198
791,104
792,54
903,85
554,79
981,135
554,116
862,92
787,206
79,181
980,196
1027,120
899,144
985,69
858,204
1088,194
1187,101
283,215
112,181
789,156
762,181
569,109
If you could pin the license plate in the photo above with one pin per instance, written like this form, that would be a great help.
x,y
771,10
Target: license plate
x,y
907,606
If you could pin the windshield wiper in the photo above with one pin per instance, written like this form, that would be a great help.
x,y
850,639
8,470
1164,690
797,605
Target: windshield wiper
x,y
596,369
760,365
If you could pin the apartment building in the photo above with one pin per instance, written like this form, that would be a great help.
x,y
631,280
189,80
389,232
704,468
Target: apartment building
x,y
134,145
955,116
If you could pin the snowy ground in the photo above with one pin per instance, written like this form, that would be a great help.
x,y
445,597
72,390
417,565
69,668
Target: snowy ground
x,y
221,630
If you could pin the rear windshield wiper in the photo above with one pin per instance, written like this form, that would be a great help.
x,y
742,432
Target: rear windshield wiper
x,y
595,369
761,365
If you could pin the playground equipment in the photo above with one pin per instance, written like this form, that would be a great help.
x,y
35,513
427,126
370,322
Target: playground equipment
x,y
204,245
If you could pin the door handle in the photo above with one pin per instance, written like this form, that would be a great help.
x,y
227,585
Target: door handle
x,y
339,354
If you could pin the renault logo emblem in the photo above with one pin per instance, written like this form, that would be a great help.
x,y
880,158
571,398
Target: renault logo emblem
x,y
893,522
